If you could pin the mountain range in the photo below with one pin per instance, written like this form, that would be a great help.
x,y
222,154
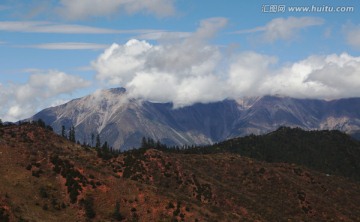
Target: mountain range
x,y
123,122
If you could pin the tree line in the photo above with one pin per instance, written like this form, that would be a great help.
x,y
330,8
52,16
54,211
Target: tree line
x,y
104,150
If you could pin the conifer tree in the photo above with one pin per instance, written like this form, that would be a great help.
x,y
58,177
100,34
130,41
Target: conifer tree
x,y
144,143
41,123
92,139
72,137
98,143
63,132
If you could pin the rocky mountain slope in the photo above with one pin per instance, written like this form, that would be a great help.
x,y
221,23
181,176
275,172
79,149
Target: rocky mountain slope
x,y
44,177
123,123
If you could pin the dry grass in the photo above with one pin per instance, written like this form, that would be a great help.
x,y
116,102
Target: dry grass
x,y
155,186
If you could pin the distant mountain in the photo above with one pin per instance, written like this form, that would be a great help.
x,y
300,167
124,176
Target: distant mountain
x,y
44,177
123,123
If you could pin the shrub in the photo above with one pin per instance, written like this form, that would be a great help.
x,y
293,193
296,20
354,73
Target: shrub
x,y
88,204
43,193
117,215
4,216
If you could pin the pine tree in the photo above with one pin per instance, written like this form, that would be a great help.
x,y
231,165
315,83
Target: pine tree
x,y
92,139
105,147
98,143
41,123
72,137
150,143
144,143
105,151
63,132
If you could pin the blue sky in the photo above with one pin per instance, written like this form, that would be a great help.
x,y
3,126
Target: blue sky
x,y
54,51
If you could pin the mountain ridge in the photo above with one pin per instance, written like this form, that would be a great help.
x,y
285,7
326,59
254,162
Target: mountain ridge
x,y
123,122
328,151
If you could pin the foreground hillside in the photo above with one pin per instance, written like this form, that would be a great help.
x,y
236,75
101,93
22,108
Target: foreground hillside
x,y
44,177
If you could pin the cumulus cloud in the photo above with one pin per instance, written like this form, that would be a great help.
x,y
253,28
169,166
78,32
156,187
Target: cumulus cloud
x,y
79,9
22,100
54,82
284,28
119,62
325,77
246,71
173,68
338,73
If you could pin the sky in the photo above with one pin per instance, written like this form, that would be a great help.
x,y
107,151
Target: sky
x,y
184,52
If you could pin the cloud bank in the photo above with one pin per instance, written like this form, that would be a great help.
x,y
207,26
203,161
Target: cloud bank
x,y
191,70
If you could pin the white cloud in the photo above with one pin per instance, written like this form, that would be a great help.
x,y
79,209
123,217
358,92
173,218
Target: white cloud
x,y
69,46
191,56
159,86
320,77
118,63
184,76
50,27
79,9
284,28
341,74
205,88
352,34
246,72
53,82
191,70
165,72
22,100
326,77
